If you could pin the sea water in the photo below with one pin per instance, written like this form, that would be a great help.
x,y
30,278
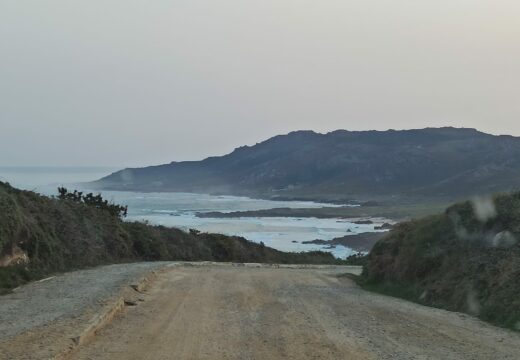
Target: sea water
x,y
180,209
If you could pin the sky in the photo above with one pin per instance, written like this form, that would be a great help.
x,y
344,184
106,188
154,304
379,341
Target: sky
x,y
135,82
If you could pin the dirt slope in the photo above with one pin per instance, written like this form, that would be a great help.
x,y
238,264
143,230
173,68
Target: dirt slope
x,y
230,312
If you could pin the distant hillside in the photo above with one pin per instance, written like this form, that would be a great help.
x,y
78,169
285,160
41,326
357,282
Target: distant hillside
x,y
41,235
341,165
467,259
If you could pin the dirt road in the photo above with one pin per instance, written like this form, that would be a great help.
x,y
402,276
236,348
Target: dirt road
x,y
229,312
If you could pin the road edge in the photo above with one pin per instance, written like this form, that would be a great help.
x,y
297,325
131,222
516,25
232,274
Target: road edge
x,y
105,316
117,304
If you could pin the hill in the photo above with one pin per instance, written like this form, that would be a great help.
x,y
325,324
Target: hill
x,y
466,259
41,235
344,165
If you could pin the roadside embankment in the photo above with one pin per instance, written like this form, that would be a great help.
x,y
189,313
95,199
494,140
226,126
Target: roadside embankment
x,y
41,235
466,259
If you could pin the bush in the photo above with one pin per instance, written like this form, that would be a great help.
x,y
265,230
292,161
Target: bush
x,y
454,259
75,231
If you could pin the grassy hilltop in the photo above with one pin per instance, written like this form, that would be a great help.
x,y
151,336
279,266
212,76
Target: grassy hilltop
x,y
41,235
466,259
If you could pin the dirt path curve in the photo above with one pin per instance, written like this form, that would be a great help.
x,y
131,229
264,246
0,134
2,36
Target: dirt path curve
x,y
227,312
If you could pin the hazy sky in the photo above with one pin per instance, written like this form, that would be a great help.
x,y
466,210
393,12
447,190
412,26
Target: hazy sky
x,y
135,82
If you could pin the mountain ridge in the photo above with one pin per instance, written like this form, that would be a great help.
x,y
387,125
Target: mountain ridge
x,y
431,162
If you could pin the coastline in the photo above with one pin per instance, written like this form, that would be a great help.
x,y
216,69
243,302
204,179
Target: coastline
x,y
396,213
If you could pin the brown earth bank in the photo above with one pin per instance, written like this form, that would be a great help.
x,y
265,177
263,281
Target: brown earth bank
x,y
237,311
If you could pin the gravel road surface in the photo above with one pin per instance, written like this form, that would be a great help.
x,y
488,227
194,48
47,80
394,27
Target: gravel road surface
x,y
228,312
44,313
236,311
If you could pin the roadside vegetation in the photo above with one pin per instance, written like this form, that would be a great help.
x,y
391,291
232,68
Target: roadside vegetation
x,y
41,235
466,259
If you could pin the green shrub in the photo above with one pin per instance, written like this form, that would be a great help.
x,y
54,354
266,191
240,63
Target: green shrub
x,y
71,232
455,261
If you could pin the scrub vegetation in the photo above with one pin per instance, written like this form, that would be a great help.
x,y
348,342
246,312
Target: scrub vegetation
x,y
466,259
41,235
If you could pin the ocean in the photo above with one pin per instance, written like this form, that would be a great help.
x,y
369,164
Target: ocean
x,y
179,210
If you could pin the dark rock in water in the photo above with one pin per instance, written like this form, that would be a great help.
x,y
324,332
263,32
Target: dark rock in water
x,y
385,226
358,242
349,231
317,241
370,203
294,241
363,222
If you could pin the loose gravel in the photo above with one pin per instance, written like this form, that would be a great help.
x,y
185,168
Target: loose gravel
x,y
65,296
